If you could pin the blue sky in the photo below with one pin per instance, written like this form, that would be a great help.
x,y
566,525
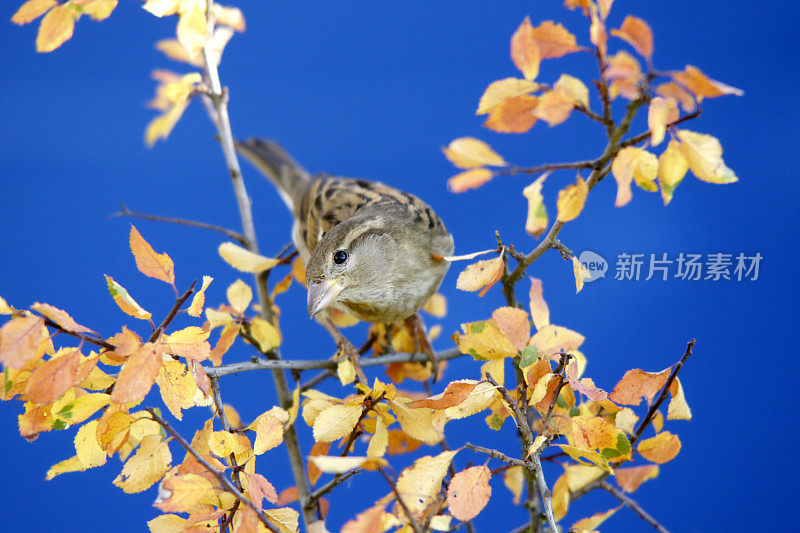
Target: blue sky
x,y
374,90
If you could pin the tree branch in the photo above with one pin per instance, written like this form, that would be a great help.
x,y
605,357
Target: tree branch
x,y
630,502
514,170
227,484
285,364
235,235
330,485
411,521
172,313
642,136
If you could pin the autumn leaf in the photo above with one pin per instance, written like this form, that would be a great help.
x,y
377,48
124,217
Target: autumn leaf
x,y
53,378
513,323
369,521
31,10
536,222
571,200
199,298
226,339
416,423
469,152
244,260
125,301
629,479
524,51
625,75
514,479
147,466
239,296
636,384
150,263
585,457
637,33
580,272
540,313
331,464
591,523
455,393
660,449
554,40
182,493
469,179
678,408
552,340
88,451
469,492
626,419
335,422
481,275
138,374
178,388
60,317
513,115
597,30
266,335
633,164
172,97
672,90
56,28
703,154
662,111
73,464
480,398
269,433
584,386
419,484
694,80
190,342
499,91
672,168
19,340
483,340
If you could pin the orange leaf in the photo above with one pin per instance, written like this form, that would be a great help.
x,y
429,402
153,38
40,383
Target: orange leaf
x,y
19,339
226,340
693,79
149,262
637,33
499,91
319,448
524,51
31,10
56,28
369,521
660,449
469,492
636,384
514,115
552,340
672,90
554,107
662,111
53,378
513,323
260,489
454,394
60,317
584,386
469,179
138,374
482,274
630,478
540,314
553,40
469,152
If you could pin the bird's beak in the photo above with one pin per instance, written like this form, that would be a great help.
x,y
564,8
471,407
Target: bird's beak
x,y
322,294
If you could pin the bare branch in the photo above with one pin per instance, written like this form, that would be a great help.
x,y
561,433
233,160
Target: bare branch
x,y
330,485
406,510
630,502
172,313
514,170
125,212
227,484
499,455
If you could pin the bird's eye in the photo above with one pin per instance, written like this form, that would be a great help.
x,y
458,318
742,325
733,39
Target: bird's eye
x,y
339,257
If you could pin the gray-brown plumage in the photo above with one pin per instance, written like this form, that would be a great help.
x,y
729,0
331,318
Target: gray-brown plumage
x,y
369,249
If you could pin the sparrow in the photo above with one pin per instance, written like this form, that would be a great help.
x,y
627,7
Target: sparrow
x,y
370,250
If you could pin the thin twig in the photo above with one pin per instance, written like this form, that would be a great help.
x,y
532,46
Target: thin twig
x,y
643,136
366,407
522,420
330,485
312,364
172,313
499,455
630,502
514,170
91,340
227,484
402,503
125,212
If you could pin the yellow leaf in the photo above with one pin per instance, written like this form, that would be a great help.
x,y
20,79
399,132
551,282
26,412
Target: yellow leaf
x,y
162,8
138,374
483,340
5,309
436,305
480,398
626,419
469,492
56,28
625,74
60,317
637,33
285,518
525,51
420,483
540,313
167,523
417,423
19,340
147,466
346,372
633,164
590,524
552,340
482,274
553,40
513,323
31,10
330,464
672,168
703,154
99,9
581,455
499,91
53,378
571,200
560,499
469,179
454,394
468,152
269,433
678,408
192,26
73,464
629,479
660,449
183,493
662,111
224,443
239,296
335,422
266,334
672,90
229,16
379,441
244,260
575,88
514,479
693,79
199,299
536,222
77,410
89,452
125,301
597,34
580,272
636,384
179,389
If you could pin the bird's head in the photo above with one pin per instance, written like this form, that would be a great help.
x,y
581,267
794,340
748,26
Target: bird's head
x,y
350,264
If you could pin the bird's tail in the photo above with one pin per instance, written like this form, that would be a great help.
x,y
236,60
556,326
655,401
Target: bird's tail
x,y
278,166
